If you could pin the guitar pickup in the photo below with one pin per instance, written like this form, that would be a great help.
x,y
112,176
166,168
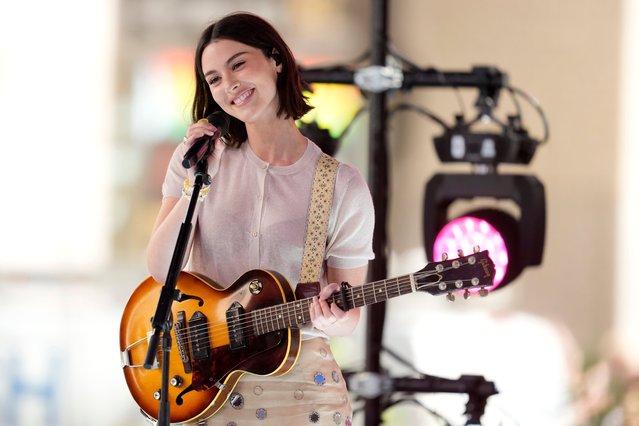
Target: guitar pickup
x,y
234,326
182,338
199,336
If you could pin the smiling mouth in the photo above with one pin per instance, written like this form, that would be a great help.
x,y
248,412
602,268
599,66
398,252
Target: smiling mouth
x,y
242,98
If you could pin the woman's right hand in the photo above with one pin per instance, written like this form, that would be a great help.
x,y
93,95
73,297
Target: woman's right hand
x,y
197,130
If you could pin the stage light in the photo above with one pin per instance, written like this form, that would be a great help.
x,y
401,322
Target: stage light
x,y
514,240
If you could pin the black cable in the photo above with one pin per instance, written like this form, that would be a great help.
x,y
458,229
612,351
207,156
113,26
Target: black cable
x,y
535,104
421,110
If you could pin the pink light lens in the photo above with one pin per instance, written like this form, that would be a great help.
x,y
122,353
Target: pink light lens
x,y
467,232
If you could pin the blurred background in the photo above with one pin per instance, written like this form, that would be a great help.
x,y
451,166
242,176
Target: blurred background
x,y
95,95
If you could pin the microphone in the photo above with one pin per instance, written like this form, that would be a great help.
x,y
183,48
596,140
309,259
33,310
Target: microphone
x,y
202,146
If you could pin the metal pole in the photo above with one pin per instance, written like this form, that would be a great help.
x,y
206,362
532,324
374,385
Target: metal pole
x,y
378,183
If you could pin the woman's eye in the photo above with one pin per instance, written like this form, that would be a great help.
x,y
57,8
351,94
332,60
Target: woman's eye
x,y
213,81
238,65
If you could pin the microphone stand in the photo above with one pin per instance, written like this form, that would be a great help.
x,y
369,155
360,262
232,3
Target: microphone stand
x,y
162,320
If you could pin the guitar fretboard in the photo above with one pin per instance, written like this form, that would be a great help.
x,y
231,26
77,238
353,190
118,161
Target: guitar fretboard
x,y
297,313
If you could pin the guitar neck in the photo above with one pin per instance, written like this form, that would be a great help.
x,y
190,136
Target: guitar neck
x,y
297,313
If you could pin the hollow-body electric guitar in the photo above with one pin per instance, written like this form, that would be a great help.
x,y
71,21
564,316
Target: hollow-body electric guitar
x,y
251,327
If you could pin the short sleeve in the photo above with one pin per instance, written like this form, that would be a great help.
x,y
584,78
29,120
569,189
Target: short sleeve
x,y
352,221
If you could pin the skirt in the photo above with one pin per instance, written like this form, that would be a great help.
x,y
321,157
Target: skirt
x,y
313,393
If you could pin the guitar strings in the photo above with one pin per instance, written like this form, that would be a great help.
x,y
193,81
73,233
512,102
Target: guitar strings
x,y
249,327
218,328
264,316
250,321
255,318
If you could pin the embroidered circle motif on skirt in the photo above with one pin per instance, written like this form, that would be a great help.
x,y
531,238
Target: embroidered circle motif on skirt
x,y
348,421
236,400
337,418
319,378
323,352
335,375
231,424
260,413
299,394
314,417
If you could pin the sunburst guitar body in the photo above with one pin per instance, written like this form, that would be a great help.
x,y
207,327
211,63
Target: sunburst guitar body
x,y
205,364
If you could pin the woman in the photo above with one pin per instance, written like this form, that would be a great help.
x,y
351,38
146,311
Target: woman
x,y
255,213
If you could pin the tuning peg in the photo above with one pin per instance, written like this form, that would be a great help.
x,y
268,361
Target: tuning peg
x,y
460,253
450,297
466,294
444,257
476,249
483,292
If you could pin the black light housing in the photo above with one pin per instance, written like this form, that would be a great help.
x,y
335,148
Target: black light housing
x,y
524,235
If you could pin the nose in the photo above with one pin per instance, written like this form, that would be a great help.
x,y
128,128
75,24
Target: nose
x,y
232,86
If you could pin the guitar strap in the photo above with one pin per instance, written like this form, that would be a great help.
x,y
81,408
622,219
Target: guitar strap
x,y
317,226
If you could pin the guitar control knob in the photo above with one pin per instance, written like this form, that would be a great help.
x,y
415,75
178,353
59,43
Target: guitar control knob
x,y
460,253
466,294
450,297
444,257
483,292
176,381
157,394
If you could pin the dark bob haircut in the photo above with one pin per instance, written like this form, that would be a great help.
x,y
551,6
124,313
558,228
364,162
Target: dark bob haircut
x,y
253,31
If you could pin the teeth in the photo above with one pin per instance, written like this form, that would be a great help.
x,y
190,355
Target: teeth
x,y
242,97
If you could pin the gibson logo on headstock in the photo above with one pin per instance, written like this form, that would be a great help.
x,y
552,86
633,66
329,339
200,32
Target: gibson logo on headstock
x,y
485,264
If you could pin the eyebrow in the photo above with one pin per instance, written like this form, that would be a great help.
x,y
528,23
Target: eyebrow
x,y
228,61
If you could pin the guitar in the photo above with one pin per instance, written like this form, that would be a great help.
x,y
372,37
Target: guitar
x,y
251,327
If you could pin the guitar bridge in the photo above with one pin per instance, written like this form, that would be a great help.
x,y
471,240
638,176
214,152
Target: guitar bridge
x,y
182,341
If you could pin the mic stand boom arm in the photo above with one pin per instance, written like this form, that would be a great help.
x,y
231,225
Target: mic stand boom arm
x,y
162,321
477,388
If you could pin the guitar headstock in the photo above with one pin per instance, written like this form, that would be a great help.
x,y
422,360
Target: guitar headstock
x,y
475,271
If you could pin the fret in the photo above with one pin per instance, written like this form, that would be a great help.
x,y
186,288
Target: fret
x,y
306,314
256,322
298,316
409,287
386,291
358,295
280,317
379,291
269,319
264,320
287,315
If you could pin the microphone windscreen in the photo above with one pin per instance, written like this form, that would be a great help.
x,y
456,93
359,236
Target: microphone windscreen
x,y
220,120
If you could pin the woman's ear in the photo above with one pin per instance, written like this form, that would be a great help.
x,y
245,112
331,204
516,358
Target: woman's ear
x,y
277,56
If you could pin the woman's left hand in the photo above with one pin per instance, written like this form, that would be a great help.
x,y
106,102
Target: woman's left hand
x,y
323,315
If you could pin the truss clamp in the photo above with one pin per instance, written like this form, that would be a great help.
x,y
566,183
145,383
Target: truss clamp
x,y
378,78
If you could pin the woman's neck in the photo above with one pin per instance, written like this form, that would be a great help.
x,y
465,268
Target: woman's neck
x,y
279,142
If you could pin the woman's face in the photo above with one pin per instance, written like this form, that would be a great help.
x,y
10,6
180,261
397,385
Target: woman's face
x,y
242,80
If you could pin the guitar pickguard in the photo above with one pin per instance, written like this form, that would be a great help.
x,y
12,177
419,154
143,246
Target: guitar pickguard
x,y
213,370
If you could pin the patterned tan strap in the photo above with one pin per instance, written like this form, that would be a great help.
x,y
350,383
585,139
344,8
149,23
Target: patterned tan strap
x,y
317,221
